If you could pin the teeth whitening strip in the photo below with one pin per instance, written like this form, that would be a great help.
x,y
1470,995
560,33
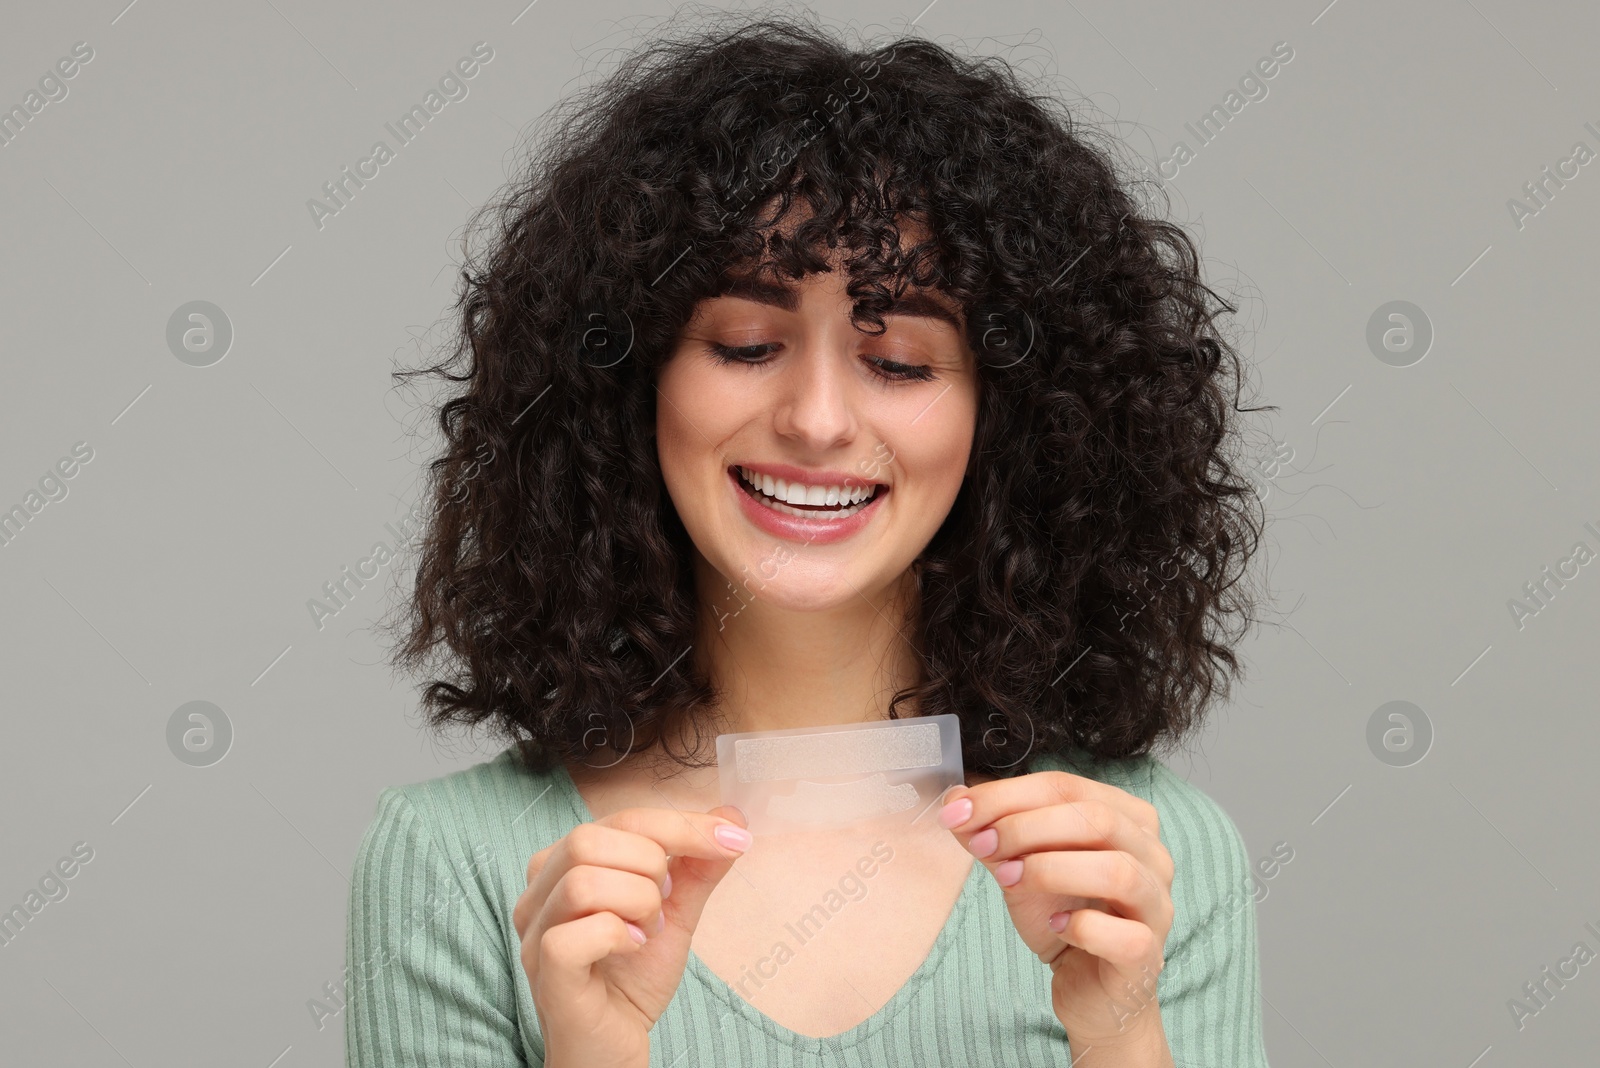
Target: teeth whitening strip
x,y
812,778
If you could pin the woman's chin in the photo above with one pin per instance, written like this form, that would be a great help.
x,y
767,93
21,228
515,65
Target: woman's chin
x,y
816,600
817,591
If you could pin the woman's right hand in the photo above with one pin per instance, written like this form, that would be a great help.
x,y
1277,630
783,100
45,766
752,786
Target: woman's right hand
x,y
590,897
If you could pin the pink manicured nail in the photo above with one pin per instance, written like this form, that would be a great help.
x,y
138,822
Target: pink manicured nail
x,y
637,933
666,887
1058,922
732,837
984,842
956,813
1008,873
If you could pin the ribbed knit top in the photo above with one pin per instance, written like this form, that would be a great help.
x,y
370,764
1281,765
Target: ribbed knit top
x,y
435,977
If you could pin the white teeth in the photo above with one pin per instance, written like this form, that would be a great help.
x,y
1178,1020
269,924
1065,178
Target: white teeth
x,y
779,494
837,513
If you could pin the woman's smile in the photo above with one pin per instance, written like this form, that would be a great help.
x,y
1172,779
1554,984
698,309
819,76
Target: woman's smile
x,y
807,506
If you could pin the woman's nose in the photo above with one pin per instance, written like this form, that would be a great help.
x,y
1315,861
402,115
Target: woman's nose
x,y
817,400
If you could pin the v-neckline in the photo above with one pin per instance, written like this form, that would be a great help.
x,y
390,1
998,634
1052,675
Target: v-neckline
x,y
719,988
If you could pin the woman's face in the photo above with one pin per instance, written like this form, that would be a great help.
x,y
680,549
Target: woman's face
x,y
813,462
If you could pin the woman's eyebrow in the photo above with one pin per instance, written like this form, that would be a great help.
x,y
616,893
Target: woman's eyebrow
x,y
763,290
921,304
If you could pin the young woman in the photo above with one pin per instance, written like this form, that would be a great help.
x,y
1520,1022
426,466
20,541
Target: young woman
x,y
806,385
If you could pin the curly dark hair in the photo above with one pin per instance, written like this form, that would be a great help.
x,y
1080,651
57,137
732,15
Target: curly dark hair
x,y
1079,593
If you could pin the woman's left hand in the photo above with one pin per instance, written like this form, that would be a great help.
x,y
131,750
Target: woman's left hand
x,y
1059,844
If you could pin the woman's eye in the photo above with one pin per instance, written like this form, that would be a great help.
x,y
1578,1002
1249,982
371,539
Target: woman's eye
x,y
899,372
740,353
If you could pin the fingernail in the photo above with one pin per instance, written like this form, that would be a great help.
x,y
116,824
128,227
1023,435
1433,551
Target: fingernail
x,y
637,933
732,837
984,842
1058,922
661,922
956,813
666,887
1008,873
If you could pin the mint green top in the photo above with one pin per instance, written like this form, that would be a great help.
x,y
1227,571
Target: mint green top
x,y
435,975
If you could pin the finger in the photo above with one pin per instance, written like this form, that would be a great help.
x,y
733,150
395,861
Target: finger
x,y
601,845
1129,946
693,879
684,833
560,958
988,801
1107,874
1073,825
663,832
586,889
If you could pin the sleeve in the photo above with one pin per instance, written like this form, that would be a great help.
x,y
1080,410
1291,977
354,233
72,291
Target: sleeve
x,y
427,982
1210,988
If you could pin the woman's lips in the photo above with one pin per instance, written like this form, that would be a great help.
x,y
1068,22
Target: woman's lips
x,y
802,528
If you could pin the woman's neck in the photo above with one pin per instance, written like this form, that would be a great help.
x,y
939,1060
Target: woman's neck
x,y
777,668
774,669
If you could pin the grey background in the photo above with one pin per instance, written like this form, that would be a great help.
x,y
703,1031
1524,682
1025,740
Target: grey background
x,y
1412,505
